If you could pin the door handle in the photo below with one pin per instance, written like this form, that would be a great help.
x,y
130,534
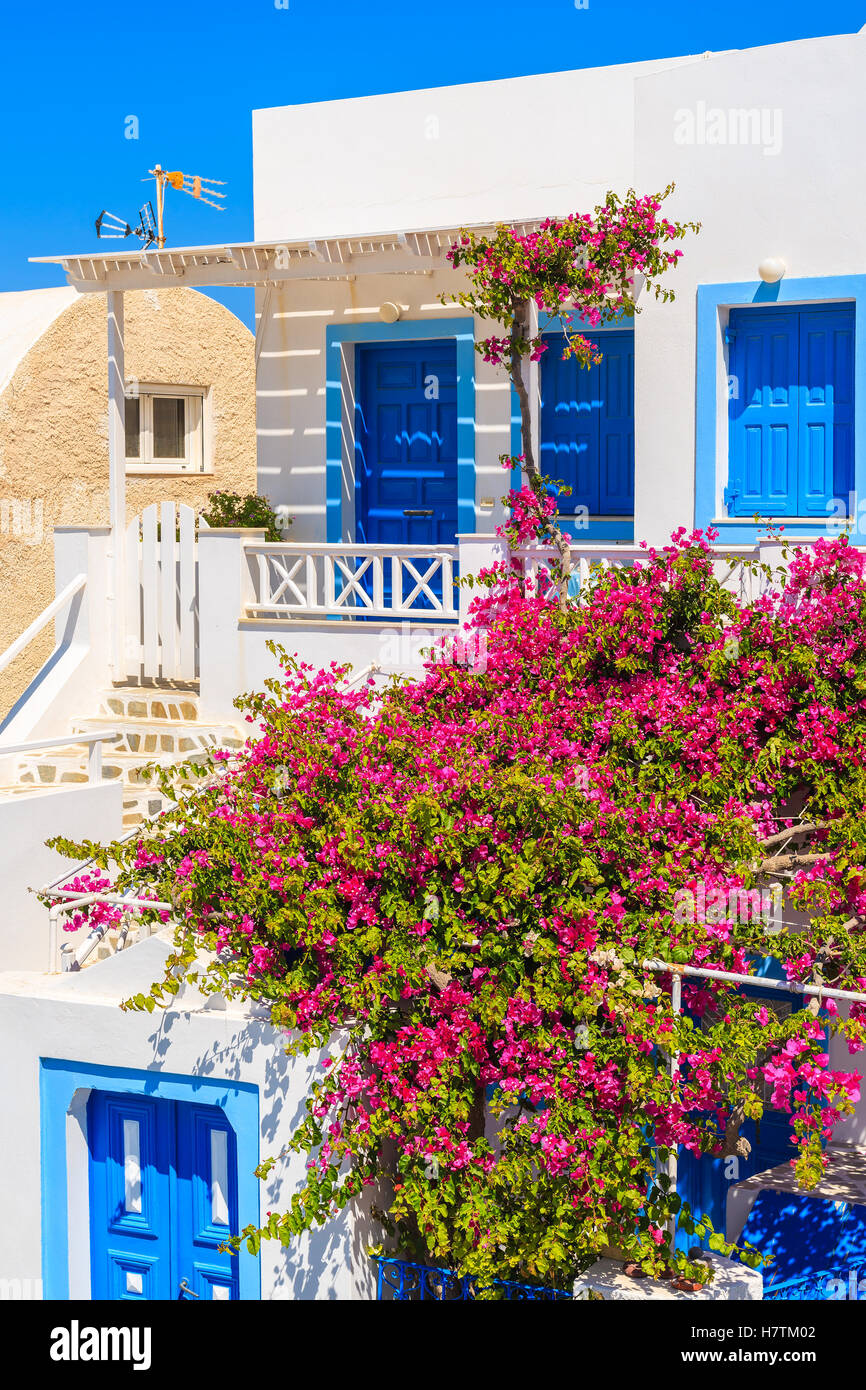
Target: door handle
x,y
408,511
186,1291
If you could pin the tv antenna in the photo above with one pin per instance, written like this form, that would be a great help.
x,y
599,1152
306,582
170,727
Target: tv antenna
x,y
110,226
151,226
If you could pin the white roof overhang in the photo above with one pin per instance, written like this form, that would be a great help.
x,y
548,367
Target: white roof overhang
x,y
259,264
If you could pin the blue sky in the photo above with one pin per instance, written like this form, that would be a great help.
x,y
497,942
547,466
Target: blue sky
x,y
192,73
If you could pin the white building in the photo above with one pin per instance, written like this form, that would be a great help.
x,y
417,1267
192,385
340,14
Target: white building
x,y
747,395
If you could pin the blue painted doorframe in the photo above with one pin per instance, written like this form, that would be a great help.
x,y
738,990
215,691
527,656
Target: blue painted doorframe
x,y
702,1181
462,331
238,1106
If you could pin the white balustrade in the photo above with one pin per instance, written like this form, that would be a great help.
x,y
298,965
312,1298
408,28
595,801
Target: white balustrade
x,y
92,742
535,563
298,580
292,580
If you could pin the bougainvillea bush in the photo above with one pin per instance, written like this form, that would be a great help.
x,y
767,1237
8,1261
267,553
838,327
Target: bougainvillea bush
x,y
449,886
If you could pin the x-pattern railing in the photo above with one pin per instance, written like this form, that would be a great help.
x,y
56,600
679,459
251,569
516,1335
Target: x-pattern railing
x,y
297,580
535,564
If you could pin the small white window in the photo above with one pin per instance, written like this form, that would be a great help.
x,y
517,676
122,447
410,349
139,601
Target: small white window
x,y
165,429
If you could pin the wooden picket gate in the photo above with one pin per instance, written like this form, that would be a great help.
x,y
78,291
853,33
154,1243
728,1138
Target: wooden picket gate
x,y
162,594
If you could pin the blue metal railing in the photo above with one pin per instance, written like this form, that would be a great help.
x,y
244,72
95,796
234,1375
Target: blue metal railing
x,y
401,1281
824,1286
404,1282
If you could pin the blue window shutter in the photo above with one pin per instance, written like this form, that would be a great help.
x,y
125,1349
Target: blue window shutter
x,y
569,426
826,445
791,419
587,425
763,413
616,424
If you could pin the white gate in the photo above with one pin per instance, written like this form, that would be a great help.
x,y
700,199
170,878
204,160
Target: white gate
x,y
162,593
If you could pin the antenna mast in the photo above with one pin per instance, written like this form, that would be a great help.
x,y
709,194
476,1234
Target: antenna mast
x,y
151,229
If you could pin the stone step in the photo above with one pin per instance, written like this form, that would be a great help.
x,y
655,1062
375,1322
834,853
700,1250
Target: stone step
x,y
152,738
144,702
156,725
141,805
70,765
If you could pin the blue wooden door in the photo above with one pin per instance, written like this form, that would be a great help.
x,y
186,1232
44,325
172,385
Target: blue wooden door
x,y
791,420
616,425
163,1196
587,425
406,443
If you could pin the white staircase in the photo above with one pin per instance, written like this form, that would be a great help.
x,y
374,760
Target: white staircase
x,y
156,725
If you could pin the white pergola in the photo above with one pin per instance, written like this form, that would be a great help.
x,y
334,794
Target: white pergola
x,y
260,265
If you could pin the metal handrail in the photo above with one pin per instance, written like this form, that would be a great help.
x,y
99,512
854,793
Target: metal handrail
x,y
68,903
54,607
93,741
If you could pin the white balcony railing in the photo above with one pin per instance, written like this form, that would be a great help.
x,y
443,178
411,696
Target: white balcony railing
x,y
352,581
313,580
535,562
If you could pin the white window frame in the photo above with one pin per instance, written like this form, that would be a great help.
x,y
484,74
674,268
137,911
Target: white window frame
x,y
196,459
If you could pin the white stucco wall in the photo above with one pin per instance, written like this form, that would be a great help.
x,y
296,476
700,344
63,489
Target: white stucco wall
x,y
805,203
76,1018
443,156
26,864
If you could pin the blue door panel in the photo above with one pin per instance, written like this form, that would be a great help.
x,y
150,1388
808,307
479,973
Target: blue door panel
x,y
587,425
389,435
763,412
207,1200
406,442
570,404
130,1196
702,1181
791,418
406,451
133,1277
163,1198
